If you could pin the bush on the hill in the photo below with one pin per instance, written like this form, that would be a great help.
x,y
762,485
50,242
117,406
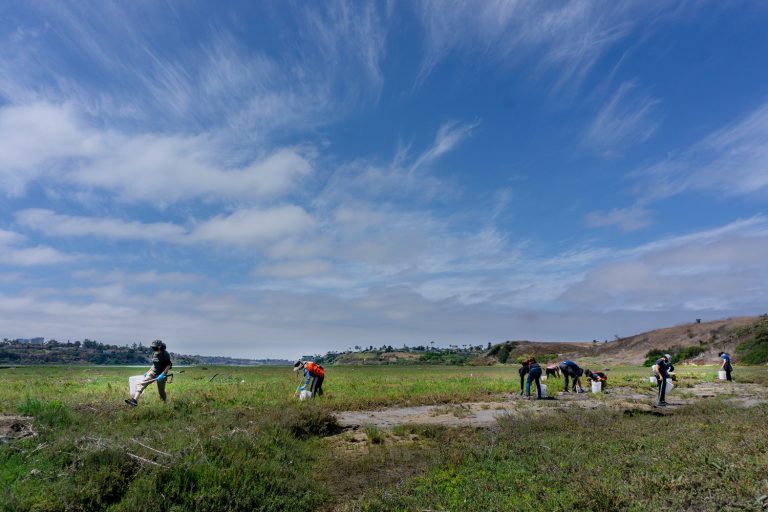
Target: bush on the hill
x,y
755,349
503,355
678,354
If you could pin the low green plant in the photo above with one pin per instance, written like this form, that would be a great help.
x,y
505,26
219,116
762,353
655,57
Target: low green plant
x,y
755,349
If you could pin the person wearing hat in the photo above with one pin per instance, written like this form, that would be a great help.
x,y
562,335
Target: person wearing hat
x,y
312,371
661,369
161,363
726,364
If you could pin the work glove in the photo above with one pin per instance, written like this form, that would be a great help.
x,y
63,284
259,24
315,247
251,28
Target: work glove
x,y
302,388
161,376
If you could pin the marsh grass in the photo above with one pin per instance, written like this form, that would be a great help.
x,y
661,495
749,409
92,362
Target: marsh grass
x,y
241,442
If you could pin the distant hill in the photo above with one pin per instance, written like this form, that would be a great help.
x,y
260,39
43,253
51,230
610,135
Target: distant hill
x,y
93,352
693,343
690,343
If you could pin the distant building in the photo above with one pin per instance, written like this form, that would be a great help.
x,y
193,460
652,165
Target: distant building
x,y
31,341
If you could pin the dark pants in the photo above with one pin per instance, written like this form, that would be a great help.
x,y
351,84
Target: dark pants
x,y
568,371
533,376
662,389
728,369
317,385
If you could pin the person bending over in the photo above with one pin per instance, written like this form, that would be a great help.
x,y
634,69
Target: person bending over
x,y
523,371
571,370
313,372
726,364
534,375
596,377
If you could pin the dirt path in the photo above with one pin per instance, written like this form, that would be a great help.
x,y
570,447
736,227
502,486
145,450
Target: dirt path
x,y
486,413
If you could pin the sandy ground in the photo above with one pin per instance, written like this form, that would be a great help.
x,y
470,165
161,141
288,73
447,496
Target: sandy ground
x,y
486,413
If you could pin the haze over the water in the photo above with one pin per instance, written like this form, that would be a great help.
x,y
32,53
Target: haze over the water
x,y
266,179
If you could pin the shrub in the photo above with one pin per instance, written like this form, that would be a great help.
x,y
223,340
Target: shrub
x,y
52,414
310,421
755,349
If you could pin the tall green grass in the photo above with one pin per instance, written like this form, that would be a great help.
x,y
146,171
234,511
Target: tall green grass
x,y
242,442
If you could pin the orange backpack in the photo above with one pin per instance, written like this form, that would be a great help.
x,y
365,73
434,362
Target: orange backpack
x,y
314,369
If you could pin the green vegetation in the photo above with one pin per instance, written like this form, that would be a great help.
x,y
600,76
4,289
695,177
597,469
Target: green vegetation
x,y
241,442
755,349
678,354
708,457
18,352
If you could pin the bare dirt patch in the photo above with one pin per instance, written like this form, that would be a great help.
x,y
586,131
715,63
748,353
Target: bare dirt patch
x,y
483,414
15,427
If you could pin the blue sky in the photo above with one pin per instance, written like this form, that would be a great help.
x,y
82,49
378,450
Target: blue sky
x,y
269,179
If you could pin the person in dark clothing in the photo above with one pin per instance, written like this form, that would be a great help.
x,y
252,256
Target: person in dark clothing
x,y
596,377
661,369
534,375
523,371
569,369
726,365
161,363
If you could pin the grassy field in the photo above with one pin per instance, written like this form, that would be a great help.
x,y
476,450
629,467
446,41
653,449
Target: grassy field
x,y
240,442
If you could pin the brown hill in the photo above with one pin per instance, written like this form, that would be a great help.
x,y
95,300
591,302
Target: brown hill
x,y
711,337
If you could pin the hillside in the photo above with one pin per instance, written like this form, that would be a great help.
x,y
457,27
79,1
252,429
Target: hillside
x,y
708,338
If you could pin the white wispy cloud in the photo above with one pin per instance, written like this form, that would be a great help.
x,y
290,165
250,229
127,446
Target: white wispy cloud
x,y
721,268
245,227
147,167
732,160
253,226
448,137
14,250
567,37
625,119
52,223
626,219
212,82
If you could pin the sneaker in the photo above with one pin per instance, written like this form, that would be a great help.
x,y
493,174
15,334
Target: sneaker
x,y
132,402
661,404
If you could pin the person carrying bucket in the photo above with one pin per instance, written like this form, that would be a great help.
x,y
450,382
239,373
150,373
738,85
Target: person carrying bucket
x,y
572,370
534,375
523,371
161,363
661,369
312,371
597,377
725,365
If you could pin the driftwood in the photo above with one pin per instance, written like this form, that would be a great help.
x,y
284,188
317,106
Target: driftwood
x,y
151,449
143,460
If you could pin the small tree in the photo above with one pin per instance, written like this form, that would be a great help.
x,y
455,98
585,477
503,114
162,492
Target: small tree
x,y
503,355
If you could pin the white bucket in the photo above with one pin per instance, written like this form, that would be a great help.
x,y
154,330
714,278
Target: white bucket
x,y
597,386
133,382
543,390
670,386
305,394
721,375
653,380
